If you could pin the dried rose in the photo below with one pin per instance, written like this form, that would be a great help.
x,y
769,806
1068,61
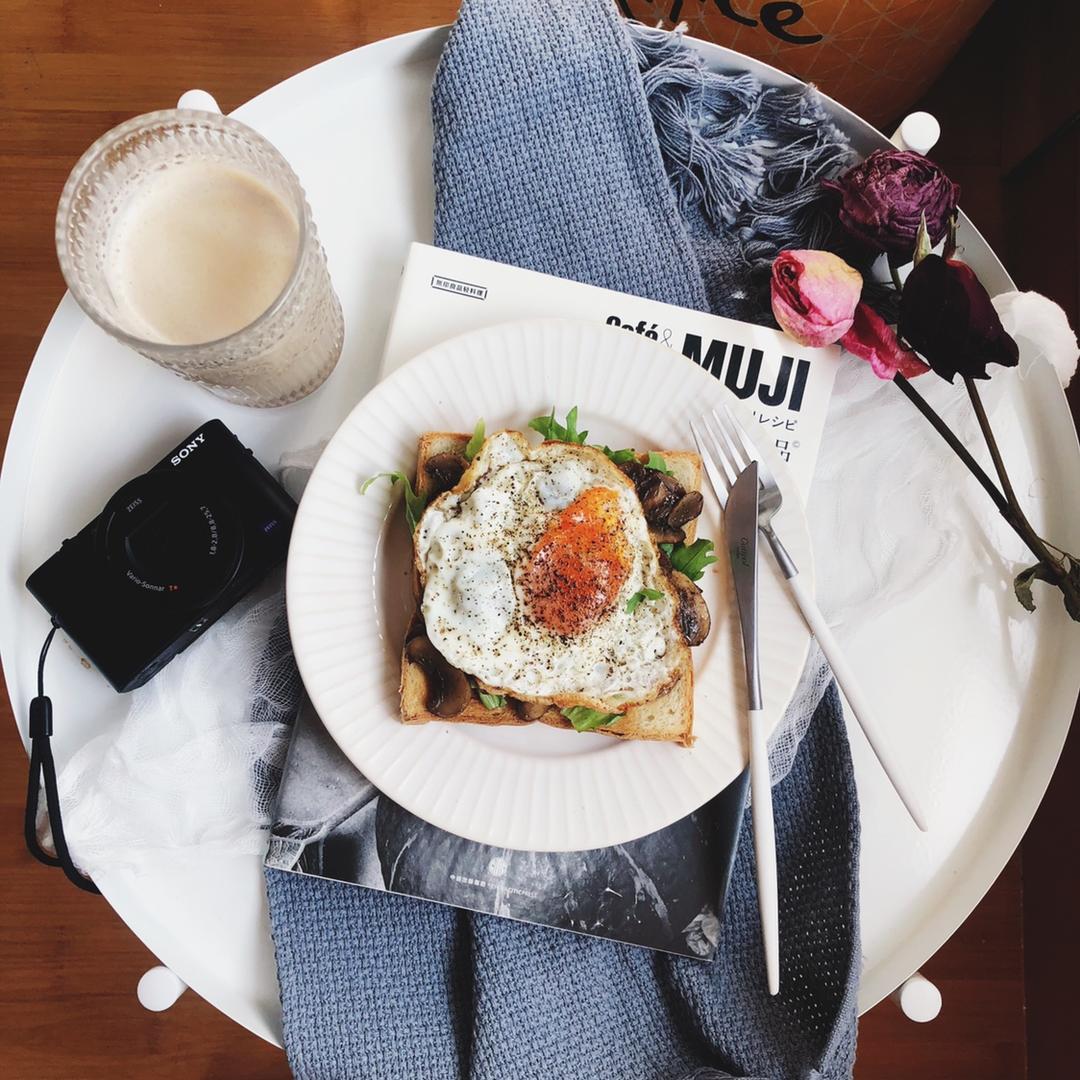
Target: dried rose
x,y
947,315
872,339
883,199
814,294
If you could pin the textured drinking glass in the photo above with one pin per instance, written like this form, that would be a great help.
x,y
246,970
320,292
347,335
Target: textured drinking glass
x,y
288,350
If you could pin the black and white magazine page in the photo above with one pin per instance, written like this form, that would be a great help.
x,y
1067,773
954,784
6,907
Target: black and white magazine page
x,y
664,891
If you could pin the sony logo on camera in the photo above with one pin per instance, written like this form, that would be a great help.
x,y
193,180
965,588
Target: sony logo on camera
x,y
190,448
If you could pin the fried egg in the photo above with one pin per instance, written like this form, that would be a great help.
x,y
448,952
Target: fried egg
x,y
528,568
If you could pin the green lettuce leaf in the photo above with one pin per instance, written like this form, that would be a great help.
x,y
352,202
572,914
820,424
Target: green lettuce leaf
x,y
588,719
472,447
639,596
658,463
691,560
414,504
551,429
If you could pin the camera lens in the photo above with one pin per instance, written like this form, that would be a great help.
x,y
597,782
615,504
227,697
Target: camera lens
x,y
171,539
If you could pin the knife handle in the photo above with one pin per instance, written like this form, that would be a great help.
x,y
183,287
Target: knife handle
x,y
761,810
860,708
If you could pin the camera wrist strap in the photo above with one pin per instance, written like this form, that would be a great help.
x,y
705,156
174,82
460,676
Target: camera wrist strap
x,y
43,771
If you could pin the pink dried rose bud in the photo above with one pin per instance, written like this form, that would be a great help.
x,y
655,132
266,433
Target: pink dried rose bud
x,y
872,339
814,294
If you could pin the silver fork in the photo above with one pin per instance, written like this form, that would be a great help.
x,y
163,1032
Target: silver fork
x,y
726,450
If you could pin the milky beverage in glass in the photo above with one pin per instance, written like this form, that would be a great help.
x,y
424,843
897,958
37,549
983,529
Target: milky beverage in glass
x,y
186,235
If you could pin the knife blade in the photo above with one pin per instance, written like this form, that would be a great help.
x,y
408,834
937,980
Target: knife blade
x,y
741,529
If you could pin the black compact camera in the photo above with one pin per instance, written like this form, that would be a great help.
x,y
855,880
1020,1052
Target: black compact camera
x,y
172,551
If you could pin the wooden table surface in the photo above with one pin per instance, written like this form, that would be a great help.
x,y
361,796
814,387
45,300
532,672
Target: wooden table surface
x,y
68,966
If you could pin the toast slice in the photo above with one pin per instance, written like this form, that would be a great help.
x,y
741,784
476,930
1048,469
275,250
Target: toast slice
x,y
667,718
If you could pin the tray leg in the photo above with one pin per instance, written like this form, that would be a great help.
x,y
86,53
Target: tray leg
x,y
198,99
918,132
918,998
159,989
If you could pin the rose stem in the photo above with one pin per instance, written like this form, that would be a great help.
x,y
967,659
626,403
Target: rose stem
x,y
1008,505
1025,530
957,446
1010,510
991,442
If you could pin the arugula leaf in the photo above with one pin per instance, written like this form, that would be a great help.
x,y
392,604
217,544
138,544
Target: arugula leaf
x,y
472,447
639,596
620,457
691,560
571,427
552,430
414,504
588,719
658,463
491,701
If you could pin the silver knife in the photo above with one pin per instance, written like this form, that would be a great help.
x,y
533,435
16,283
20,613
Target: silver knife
x,y
741,530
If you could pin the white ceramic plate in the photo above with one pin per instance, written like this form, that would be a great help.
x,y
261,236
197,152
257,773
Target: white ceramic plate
x,y
349,598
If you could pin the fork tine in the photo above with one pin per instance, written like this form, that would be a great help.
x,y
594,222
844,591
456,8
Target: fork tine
x,y
734,426
721,433
717,478
717,452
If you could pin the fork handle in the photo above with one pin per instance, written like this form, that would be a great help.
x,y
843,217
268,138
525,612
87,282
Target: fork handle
x,y
856,699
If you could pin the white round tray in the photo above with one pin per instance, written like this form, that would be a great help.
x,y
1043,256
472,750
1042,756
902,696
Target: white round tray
x,y
979,700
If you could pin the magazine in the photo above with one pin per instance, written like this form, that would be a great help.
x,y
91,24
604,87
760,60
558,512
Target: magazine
x,y
664,891
786,387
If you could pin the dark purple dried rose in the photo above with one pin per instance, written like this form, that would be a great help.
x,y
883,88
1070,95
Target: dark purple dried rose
x,y
883,198
947,316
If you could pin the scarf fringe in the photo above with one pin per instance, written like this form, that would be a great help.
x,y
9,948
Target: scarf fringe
x,y
747,157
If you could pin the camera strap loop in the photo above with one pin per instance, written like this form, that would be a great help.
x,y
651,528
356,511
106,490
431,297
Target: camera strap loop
x,y
43,771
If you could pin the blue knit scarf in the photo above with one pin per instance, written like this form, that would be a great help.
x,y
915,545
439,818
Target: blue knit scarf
x,y
570,143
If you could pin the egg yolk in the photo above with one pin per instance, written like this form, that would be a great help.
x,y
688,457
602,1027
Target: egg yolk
x,y
575,570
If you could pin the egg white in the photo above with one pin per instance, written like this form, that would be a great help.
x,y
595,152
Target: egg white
x,y
468,544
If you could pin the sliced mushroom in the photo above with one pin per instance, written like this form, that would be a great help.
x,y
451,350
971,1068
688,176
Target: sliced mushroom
x,y
658,492
448,690
686,509
665,534
693,613
528,710
673,495
654,497
670,483
444,471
